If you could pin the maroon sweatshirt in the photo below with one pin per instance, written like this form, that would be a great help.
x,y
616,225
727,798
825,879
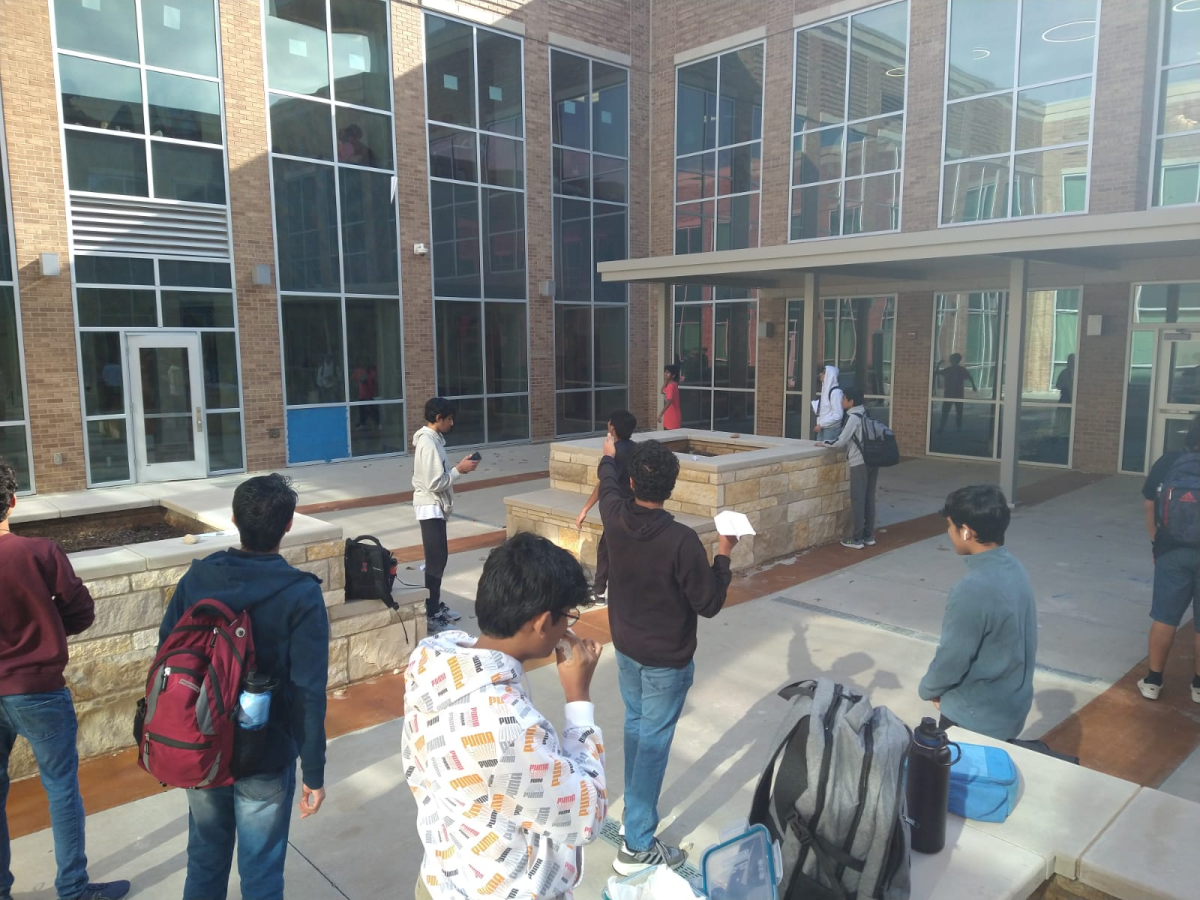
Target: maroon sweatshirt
x,y
42,601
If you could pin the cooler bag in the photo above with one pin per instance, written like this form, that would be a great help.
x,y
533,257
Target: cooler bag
x,y
983,784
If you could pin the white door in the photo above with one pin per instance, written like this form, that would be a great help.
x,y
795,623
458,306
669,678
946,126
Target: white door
x,y
166,389
1177,388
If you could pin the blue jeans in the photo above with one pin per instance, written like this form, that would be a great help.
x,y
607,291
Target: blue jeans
x,y
255,812
48,722
1176,586
653,701
832,433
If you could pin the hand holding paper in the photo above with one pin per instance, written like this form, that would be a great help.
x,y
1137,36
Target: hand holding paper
x,y
733,524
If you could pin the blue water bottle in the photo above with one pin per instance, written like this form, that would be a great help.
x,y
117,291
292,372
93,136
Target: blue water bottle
x,y
254,702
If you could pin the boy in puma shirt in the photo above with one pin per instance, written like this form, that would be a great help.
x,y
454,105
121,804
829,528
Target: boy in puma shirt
x,y
659,581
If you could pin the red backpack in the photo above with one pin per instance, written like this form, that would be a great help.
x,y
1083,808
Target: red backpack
x,y
186,724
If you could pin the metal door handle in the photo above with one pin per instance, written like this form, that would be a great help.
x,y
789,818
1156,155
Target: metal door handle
x,y
199,421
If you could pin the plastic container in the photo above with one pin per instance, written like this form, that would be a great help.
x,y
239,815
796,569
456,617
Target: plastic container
x,y
640,877
742,868
254,701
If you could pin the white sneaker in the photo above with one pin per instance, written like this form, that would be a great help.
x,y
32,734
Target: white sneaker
x,y
870,542
853,544
1151,691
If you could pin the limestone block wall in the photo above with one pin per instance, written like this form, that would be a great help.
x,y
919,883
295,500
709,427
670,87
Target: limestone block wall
x,y
132,586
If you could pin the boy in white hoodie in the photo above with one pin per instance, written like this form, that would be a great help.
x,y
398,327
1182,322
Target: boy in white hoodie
x,y
829,407
433,500
504,804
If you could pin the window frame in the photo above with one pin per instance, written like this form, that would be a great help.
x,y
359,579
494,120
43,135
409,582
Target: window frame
x,y
1010,156
1158,172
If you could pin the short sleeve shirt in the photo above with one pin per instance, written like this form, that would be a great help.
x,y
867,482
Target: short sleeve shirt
x,y
1158,474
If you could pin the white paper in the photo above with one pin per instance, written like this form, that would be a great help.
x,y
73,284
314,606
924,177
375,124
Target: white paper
x,y
171,17
816,406
450,82
357,63
297,48
733,523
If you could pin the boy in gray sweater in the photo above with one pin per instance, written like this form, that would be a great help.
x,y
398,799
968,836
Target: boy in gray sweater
x,y
863,478
981,677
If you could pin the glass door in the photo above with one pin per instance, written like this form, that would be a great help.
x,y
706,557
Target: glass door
x,y
1177,391
167,402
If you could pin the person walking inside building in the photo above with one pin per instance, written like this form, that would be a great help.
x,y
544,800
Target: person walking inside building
x,y
433,500
829,407
671,415
955,377
545,794
291,648
863,478
620,425
659,582
1172,518
981,677
43,602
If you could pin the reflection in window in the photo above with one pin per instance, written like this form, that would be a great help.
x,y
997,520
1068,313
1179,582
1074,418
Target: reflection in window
x,y
476,137
121,139
1018,128
1177,142
589,109
848,142
858,335
336,227
14,423
716,347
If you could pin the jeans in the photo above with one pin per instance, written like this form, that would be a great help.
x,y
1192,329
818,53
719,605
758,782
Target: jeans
x,y
862,500
653,701
433,540
1176,586
831,433
48,722
255,813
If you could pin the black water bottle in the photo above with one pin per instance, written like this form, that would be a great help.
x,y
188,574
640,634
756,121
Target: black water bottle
x,y
928,786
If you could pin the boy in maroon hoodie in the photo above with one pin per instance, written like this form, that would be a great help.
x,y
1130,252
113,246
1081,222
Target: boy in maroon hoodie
x,y
43,602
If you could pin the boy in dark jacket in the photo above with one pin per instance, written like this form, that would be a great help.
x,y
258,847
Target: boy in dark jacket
x,y
291,645
659,581
621,424
42,601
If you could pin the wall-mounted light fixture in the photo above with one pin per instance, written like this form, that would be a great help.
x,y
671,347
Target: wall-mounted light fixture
x,y
50,265
262,274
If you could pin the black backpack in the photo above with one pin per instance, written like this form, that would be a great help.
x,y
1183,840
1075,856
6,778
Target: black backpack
x,y
877,443
370,570
1177,503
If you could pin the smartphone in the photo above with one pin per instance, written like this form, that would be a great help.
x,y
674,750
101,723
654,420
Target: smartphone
x,y
475,456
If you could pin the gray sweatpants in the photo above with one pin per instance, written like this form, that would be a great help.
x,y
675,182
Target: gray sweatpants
x,y
862,498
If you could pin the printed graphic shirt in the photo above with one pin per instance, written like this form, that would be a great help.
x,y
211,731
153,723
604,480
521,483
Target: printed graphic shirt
x,y
504,805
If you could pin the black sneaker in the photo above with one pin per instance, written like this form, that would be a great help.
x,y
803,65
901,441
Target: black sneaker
x,y
437,624
630,863
447,613
111,890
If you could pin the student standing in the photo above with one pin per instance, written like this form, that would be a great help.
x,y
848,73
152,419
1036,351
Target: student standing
x,y
620,425
671,415
433,501
981,677
955,378
659,582
472,734
863,478
43,601
829,407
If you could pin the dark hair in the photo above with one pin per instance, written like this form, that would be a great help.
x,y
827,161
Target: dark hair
x,y
524,577
263,506
955,359
853,394
623,423
673,370
439,406
8,487
1191,440
653,469
981,507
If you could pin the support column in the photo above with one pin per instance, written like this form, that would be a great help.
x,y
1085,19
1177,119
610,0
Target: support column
x,y
1011,382
812,296
660,296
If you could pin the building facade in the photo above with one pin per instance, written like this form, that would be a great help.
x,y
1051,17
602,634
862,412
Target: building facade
x,y
246,234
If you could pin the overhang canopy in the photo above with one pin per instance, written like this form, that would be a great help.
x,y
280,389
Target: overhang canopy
x,y
1105,247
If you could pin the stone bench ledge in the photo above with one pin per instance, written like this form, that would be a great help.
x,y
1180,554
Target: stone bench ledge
x,y
565,505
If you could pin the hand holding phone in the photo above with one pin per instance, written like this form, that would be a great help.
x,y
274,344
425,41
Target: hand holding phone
x,y
475,457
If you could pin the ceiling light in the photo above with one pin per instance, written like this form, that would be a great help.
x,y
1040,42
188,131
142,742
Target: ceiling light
x,y
1091,32
896,72
981,53
1187,6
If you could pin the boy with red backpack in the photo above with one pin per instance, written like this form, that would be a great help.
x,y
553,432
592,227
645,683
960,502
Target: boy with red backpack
x,y
1172,506
290,641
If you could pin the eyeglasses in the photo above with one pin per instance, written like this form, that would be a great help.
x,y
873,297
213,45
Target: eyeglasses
x,y
572,617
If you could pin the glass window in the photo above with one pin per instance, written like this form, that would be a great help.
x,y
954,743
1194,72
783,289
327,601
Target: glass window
x,y
377,428
313,368
500,103
1040,166
361,59
306,227
103,372
116,308
224,442
1135,431
185,108
852,70
114,270
197,309
106,165
181,34
504,245
297,52
373,336
740,110
450,71
610,238
571,99
101,95
455,211
503,161
452,154
369,249
195,174
611,347
696,108
108,451
459,348
301,128
219,350
192,273
1177,147
364,139
610,110
12,389
572,250
507,370
105,29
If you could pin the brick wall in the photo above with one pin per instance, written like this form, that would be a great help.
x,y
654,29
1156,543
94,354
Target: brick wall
x,y
910,388
1100,383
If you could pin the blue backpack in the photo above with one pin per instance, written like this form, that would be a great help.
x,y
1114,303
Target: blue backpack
x,y
983,784
1177,506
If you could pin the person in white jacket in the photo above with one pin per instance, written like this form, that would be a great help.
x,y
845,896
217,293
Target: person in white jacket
x,y
829,407
433,500
505,804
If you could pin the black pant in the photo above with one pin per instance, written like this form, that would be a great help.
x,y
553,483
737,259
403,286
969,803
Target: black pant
x,y
433,539
947,405
600,582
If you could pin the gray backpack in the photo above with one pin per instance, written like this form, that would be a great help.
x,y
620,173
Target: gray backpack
x,y
832,796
